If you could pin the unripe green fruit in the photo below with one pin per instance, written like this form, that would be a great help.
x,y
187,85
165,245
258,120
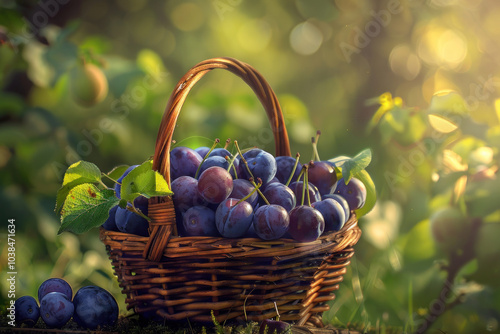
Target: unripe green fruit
x,y
450,229
88,85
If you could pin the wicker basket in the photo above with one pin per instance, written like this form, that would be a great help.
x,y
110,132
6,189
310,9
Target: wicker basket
x,y
240,279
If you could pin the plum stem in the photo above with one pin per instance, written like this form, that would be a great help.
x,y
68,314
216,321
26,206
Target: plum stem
x,y
104,184
137,211
258,190
256,187
217,140
252,180
304,173
315,146
243,158
231,164
110,178
297,156
228,141
306,177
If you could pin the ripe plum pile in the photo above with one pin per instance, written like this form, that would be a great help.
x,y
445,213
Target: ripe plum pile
x,y
249,194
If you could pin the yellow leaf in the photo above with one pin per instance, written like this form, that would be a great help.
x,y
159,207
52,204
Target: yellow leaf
x,y
441,124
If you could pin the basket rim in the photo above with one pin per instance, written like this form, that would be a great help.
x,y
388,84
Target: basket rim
x,y
220,247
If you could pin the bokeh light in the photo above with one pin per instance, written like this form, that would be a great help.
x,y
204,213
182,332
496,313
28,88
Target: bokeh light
x,y
305,38
404,62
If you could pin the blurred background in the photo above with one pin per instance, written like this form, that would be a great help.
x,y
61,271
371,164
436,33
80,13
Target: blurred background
x,y
333,65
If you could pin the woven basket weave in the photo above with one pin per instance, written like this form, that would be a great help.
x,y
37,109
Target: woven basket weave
x,y
241,279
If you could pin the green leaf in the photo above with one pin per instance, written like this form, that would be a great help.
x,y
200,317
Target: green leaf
x,y
356,164
78,173
143,181
116,172
419,242
123,204
86,171
86,207
480,197
449,101
371,193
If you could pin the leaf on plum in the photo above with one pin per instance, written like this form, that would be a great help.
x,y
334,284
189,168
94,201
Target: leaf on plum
x,y
356,164
86,207
143,181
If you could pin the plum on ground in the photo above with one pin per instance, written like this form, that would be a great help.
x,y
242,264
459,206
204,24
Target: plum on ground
x,y
54,285
27,311
56,309
94,307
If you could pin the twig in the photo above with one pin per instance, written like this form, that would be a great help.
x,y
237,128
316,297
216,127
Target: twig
x,y
457,261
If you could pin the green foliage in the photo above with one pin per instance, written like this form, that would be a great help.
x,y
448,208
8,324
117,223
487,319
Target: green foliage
x,y
353,166
143,181
84,205
79,173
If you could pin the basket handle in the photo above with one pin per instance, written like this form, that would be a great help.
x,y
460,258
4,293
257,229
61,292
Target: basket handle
x,y
161,209
161,159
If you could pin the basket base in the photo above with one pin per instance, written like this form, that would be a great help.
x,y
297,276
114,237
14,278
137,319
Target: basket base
x,y
239,280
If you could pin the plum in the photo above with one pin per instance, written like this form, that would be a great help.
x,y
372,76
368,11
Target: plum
x,y
233,218
215,185
130,222
323,176
354,192
306,223
261,164
242,188
279,194
27,311
183,161
56,309
94,307
199,221
185,189
333,213
110,223
271,222
55,285
284,165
